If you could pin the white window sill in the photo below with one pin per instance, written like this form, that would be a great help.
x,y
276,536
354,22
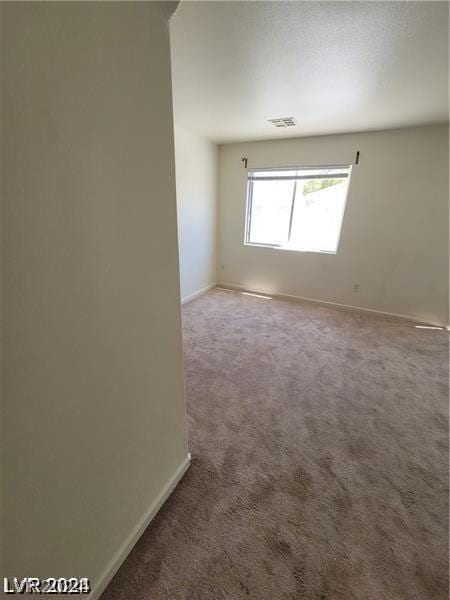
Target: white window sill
x,y
286,248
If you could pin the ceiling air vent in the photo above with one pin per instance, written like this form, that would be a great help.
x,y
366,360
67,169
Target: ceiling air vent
x,y
283,122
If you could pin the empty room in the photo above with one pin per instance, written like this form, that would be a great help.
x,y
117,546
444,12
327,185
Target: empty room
x,y
225,300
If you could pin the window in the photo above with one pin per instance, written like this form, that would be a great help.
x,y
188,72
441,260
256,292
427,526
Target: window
x,y
296,209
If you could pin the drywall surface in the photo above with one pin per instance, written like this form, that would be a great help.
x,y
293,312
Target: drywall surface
x,y
196,175
1,304
94,410
394,240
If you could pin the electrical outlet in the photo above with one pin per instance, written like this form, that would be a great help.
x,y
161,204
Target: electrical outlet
x,y
356,287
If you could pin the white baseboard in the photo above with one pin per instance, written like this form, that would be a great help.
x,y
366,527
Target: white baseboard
x,y
232,286
198,293
113,566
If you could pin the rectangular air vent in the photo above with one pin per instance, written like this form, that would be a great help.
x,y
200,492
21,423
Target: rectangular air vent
x,y
283,122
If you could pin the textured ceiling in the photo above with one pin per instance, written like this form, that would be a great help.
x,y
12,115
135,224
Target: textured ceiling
x,y
334,66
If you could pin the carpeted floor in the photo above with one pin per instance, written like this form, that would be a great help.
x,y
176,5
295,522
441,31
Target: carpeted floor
x,y
319,440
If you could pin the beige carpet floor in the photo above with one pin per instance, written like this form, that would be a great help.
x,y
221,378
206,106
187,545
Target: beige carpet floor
x,y
319,440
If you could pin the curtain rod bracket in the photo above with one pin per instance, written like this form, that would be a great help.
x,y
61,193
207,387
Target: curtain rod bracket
x,y
244,160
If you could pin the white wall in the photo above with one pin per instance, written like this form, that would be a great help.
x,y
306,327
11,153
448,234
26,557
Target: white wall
x,y
2,564
394,240
94,414
196,162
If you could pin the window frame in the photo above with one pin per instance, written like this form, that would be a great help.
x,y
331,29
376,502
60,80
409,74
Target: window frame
x,y
249,200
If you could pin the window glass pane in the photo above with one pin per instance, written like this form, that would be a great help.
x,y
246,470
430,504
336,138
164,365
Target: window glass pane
x,y
319,207
270,212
